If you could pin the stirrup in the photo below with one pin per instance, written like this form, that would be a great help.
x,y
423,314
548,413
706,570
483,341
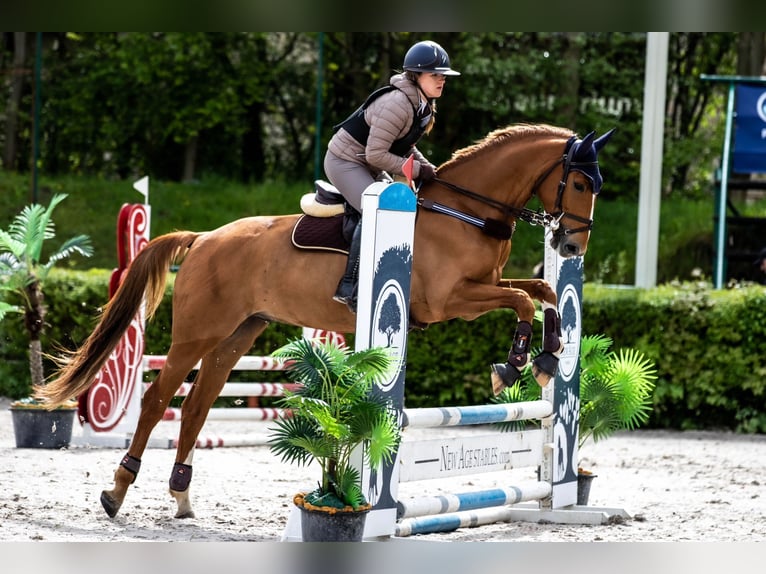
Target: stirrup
x,y
349,301
344,292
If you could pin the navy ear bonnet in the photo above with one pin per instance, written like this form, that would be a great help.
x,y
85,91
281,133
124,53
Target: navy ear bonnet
x,y
582,156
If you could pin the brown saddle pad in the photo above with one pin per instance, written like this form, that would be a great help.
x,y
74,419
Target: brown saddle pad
x,y
320,233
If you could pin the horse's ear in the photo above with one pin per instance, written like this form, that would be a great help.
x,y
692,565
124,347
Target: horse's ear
x,y
601,142
587,141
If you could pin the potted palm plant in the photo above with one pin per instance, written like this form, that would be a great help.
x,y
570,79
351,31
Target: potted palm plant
x,y
22,279
333,413
615,394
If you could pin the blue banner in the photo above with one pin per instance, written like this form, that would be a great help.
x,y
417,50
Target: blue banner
x,y
749,154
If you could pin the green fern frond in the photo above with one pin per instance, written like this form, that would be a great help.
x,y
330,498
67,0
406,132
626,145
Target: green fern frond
x,y
32,227
306,365
383,441
371,365
294,440
10,244
6,308
634,378
594,353
79,244
346,485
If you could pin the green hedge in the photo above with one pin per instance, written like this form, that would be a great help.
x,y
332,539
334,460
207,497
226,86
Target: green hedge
x,y
709,347
74,299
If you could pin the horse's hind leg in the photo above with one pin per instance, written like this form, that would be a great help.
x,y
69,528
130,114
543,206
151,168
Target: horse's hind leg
x,y
545,364
180,360
211,378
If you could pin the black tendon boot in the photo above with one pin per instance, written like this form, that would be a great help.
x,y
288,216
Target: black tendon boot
x,y
347,288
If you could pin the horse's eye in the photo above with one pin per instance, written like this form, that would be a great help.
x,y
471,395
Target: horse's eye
x,y
579,186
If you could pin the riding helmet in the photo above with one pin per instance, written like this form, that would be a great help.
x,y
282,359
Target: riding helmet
x,y
428,56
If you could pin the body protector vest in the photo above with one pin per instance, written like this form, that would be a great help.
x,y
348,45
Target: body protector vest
x,y
360,129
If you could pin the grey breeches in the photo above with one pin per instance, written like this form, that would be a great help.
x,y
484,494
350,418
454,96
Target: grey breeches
x,y
349,177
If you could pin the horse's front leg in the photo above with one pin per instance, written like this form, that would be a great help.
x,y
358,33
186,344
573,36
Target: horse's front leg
x,y
472,299
196,405
545,363
210,380
179,362
504,375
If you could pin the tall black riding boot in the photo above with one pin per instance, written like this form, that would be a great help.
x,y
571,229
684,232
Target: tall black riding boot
x,y
347,288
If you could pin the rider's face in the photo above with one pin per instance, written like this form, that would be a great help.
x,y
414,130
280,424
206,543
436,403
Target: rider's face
x,y
431,84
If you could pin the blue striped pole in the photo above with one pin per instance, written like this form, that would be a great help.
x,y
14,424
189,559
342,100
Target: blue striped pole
x,y
446,503
452,521
475,415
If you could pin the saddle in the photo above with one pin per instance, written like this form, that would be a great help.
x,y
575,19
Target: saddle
x,y
328,221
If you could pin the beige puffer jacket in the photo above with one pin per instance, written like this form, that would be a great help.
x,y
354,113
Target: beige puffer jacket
x,y
389,118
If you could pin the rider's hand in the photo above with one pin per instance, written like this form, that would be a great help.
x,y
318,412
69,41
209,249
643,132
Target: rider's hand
x,y
427,172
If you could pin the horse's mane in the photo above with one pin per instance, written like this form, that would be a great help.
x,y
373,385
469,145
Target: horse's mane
x,y
504,135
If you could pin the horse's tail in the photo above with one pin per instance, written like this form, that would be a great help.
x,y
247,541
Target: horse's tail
x,y
146,276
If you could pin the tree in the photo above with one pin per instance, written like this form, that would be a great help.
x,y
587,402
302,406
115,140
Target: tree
x,y
14,99
177,101
751,54
243,105
390,318
569,319
689,156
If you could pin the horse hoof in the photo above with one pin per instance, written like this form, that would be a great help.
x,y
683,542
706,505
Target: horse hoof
x,y
544,367
183,501
503,375
541,377
111,506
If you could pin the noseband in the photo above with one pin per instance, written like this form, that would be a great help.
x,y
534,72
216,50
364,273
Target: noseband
x,y
502,230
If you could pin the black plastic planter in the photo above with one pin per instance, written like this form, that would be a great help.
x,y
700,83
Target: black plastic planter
x,y
322,526
39,428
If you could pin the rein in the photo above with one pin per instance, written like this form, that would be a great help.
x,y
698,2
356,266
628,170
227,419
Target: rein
x,y
492,227
500,229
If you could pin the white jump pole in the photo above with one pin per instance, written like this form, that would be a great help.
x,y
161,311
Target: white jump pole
x,y
388,229
559,466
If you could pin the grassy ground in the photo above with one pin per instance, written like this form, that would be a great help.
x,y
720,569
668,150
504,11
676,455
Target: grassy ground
x,y
686,226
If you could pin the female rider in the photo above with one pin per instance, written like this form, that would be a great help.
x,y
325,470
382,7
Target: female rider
x,y
381,134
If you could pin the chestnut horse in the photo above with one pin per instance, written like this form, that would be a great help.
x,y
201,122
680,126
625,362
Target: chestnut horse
x,y
237,279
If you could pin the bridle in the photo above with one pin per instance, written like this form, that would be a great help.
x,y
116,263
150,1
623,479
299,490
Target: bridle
x,y
570,151
501,230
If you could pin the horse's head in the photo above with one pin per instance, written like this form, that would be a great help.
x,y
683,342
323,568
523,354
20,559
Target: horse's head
x,y
571,202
